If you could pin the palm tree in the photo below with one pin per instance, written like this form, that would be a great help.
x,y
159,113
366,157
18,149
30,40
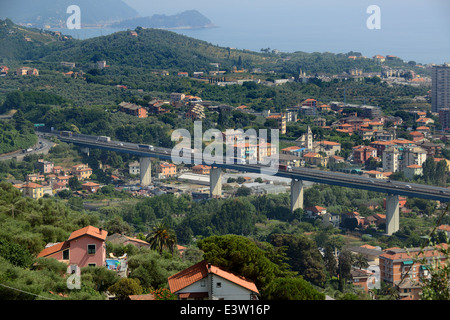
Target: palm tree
x,y
360,261
162,237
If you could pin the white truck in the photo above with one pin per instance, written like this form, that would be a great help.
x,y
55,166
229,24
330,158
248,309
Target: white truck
x,y
104,139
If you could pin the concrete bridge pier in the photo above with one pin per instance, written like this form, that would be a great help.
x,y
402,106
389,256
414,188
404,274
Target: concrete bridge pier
x,y
145,167
215,182
392,214
296,194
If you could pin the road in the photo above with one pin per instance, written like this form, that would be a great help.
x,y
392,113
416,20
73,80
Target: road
x,y
297,173
43,146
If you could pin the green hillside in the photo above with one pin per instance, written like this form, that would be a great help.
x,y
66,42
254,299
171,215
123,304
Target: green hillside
x,y
20,43
154,49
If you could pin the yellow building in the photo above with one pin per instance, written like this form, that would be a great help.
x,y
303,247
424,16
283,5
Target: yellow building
x,y
167,169
81,171
32,190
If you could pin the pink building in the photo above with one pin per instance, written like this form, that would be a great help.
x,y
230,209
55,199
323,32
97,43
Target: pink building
x,y
85,247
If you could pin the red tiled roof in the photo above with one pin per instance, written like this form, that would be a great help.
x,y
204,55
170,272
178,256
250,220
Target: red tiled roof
x,y
315,209
53,249
91,231
32,185
199,271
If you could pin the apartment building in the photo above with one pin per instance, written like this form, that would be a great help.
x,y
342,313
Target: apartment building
x,y
398,158
44,166
408,267
363,153
133,109
166,169
81,171
329,147
196,112
440,91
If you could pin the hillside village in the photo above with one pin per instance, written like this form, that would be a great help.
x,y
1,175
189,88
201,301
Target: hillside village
x,y
381,155
408,144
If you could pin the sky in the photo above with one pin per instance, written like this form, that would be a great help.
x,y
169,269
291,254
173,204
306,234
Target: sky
x,y
407,26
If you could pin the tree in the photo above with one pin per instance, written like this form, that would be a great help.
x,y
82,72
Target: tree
x,y
74,183
292,289
161,237
361,261
345,261
125,287
303,255
243,256
243,191
330,261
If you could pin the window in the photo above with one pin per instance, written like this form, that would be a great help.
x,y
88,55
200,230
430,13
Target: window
x,y
65,254
203,283
91,249
92,265
219,285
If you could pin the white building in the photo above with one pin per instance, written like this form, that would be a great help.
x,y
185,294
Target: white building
x,y
204,281
134,168
398,158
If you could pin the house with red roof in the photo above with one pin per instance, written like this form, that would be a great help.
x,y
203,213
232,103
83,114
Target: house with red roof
x,y
315,211
84,247
204,281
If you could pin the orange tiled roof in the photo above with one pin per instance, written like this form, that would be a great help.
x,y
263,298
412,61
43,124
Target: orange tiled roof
x,y
291,148
89,230
201,166
401,254
330,143
382,142
373,172
199,271
136,240
53,249
315,208
311,155
90,184
32,185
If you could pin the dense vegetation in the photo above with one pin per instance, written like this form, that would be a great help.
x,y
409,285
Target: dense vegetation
x,y
16,134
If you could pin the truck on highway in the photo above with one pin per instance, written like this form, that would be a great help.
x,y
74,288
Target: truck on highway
x,y
27,150
66,133
104,139
146,146
283,167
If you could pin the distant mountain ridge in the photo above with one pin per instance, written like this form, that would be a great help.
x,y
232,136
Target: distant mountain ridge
x,y
99,13
185,19
54,12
